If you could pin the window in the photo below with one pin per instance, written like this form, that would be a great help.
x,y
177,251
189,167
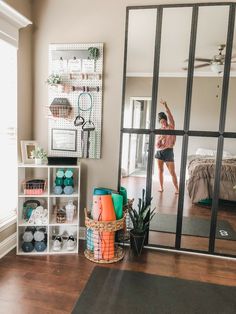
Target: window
x,y
8,126
10,23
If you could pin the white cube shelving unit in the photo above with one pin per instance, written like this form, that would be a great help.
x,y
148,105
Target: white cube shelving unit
x,y
48,200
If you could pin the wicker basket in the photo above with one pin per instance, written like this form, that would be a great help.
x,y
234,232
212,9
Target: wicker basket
x,y
101,246
34,187
60,108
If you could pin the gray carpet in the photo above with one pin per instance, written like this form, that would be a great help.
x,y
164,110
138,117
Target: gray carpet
x,y
112,291
193,226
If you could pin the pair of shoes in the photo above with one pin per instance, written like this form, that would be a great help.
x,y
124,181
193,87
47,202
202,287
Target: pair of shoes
x,y
57,243
69,244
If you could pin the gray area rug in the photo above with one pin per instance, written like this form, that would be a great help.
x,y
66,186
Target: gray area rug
x,y
112,291
193,226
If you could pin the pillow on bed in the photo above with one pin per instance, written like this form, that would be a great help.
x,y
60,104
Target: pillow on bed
x,y
211,152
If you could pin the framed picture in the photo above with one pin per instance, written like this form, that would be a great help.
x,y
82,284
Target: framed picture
x,y
64,140
26,148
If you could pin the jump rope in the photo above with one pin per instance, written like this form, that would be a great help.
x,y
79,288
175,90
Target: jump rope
x,y
79,120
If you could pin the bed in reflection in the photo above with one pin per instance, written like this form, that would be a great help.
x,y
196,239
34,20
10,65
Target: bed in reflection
x,y
201,173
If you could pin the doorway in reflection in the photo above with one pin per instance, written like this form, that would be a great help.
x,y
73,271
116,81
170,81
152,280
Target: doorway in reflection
x,y
134,164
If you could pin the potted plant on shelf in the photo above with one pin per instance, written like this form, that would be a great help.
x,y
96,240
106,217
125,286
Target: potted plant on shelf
x,y
55,81
39,155
140,218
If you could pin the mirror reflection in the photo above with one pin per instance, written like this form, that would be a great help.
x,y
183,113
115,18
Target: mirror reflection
x,y
175,38
208,68
204,116
230,125
165,191
226,216
134,164
140,59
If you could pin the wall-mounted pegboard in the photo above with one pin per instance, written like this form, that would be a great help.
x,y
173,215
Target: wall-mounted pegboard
x,y
79,95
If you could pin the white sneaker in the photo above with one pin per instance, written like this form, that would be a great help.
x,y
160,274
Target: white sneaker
x,y
57,243
70,243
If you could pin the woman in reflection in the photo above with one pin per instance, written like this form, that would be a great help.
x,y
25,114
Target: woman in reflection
x,y
164,145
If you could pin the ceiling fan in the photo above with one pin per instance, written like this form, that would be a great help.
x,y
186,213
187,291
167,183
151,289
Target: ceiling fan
x,y
216,63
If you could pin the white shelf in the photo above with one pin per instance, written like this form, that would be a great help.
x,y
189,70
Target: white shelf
x,y
22,223
33,195
47,166
20,252
53,222
48,172
64,195
63,249
31,166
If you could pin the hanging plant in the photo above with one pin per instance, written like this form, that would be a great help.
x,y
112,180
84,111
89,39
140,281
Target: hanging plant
x,y
54,79
94,54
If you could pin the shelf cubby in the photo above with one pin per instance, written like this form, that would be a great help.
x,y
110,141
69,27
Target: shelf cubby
x,y
49,201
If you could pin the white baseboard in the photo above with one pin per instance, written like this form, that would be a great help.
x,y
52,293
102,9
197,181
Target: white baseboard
x,y
7,245
7,223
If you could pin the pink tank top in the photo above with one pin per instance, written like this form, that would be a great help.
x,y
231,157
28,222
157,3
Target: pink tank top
x,y
166,141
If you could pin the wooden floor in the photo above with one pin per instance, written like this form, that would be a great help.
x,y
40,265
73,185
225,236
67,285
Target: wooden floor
x,y
167,203
52,284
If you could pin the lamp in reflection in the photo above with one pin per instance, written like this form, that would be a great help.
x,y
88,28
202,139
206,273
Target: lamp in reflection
x,y
217,67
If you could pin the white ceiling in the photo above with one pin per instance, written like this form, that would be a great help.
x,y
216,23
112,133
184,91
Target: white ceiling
x,y
176,26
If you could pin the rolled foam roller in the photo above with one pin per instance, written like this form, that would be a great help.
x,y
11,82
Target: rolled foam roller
x,y
118,205
123,192
108,238
96,235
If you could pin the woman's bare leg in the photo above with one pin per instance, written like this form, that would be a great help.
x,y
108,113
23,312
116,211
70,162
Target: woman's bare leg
x,y
171,168
160,165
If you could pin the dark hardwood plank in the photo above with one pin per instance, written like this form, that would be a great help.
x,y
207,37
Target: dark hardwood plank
x,y
52,284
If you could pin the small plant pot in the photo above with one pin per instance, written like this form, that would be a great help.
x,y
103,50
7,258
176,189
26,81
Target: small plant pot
x,y
38,161
137,240
57,88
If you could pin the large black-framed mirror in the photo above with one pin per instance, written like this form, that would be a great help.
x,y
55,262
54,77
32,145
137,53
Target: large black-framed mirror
x,y
178,63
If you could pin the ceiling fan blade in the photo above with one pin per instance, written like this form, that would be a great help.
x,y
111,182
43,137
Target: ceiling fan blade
x,y
197,66
203,59
201,65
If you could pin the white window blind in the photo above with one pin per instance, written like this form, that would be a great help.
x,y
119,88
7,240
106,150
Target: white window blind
x,y
10,23
8,124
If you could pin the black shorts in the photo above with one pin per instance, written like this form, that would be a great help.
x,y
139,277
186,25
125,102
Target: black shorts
x,y
165,154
